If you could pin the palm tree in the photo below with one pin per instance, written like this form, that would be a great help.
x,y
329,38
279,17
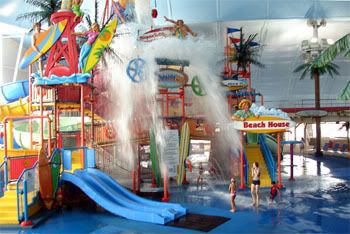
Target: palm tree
x,y
315,72
346,125
245,52
43,12
321,65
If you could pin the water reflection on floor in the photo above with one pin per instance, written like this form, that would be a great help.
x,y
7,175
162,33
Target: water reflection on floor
x,y
318,201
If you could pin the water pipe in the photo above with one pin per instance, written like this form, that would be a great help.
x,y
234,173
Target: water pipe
x,y
279,184
166,193
242,186
291,145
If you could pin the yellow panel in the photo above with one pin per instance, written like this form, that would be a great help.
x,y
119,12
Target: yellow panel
x,y
254,154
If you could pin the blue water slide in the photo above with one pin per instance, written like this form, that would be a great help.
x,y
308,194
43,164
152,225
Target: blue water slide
x,y
269,159
11,92
116,199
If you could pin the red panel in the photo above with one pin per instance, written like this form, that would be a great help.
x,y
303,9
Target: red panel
x,y
69,94
17,165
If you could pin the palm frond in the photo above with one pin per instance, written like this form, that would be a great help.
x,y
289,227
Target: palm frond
x,y
329,54
96,11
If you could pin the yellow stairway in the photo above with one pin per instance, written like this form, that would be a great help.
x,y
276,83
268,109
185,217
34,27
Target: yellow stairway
x,y
8,205
254,154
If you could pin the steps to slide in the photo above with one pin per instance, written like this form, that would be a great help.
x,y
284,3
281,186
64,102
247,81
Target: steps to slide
x,y
254,154
113,197
8,205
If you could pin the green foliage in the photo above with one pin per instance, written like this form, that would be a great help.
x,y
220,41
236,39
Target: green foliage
x,y
43,12
340,46
310,68
245,54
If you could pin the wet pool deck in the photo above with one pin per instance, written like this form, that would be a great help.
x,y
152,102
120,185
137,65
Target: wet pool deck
x,y
318,201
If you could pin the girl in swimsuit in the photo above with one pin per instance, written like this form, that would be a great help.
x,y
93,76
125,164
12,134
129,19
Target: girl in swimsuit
x,y
255,183
85,49
232,190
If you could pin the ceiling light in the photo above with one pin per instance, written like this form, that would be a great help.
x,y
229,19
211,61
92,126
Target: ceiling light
x,y
330,41
314,40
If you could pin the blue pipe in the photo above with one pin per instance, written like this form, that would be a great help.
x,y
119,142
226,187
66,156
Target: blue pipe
x,y
25,201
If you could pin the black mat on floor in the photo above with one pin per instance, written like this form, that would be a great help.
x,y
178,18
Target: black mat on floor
x,y
199,222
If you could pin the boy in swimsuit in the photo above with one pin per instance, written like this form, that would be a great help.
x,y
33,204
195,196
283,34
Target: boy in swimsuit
x,y
232,189
274,191
180,29
76,9
200,174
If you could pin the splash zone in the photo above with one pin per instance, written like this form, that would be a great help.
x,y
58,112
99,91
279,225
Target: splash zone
x,y
128,126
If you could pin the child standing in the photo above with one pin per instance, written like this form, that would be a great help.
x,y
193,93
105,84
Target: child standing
x,y
232,189
200,174
274,191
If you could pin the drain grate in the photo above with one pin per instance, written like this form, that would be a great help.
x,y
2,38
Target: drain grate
x,y
199,222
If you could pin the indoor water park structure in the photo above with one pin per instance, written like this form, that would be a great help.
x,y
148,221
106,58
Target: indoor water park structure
x,y
145,118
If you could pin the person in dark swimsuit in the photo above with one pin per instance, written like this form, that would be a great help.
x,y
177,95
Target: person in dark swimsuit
x,y
255,183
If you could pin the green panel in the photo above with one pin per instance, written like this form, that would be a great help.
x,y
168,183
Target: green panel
x,y
154,158
55,165
252,138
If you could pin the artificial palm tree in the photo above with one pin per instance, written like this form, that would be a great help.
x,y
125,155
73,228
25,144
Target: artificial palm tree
x,y
245,52
43,12
315,72
321,65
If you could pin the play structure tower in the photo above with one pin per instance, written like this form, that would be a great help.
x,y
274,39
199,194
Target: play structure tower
x,y
65,47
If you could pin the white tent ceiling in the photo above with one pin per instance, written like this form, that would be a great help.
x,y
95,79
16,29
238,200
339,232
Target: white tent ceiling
x,y
280,23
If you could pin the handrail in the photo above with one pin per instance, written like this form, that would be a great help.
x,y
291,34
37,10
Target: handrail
x,y
4,122
270,162
246,168
307,103
24,192
1,185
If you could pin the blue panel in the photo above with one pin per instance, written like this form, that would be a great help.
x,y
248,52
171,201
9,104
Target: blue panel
x,y
195,11
67,159
294,9
89,157
242,10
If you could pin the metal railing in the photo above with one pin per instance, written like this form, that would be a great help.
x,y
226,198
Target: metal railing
x,y
307,103
27,182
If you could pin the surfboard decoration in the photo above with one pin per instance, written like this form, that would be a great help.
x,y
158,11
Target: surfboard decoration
x,y
171,78
235,84
45,180
55,165
264,124
156,33
44,42
183,151
103,40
